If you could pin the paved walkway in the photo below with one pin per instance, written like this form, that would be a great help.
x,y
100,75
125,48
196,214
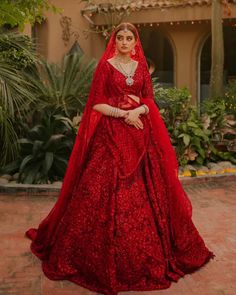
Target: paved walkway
x,y
214,207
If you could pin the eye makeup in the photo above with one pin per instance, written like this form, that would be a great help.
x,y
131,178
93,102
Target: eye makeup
x,y
128,38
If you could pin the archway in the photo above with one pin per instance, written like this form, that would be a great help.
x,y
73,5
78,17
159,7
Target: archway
x,y
158,49
229,62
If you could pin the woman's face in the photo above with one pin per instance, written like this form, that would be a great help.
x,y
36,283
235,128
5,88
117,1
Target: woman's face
x,y
125,41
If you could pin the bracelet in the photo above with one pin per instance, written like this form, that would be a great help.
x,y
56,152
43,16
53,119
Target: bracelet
x,y
146,109
114,112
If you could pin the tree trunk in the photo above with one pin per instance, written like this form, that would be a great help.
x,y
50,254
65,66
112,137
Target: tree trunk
x,y
217,60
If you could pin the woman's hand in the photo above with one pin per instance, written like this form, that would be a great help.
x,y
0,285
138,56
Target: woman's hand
x,y
123,113
132,118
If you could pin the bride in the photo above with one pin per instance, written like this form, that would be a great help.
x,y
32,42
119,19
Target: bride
x,y
122,220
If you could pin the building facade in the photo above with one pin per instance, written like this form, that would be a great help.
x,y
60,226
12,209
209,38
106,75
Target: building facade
x,y
176,36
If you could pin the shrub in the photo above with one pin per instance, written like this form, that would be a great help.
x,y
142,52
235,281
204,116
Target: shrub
x,y
44,152
193,135
230,98
16,50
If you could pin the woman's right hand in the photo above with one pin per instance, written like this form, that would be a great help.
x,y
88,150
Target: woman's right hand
x,y
132,118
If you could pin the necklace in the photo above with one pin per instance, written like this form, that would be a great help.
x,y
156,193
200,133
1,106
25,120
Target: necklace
x,y
129,76
123,60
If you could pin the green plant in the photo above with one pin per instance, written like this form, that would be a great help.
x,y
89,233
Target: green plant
x,y
17,13
222,125
15,90
44,152
230,98
63,88
190,139
213,116
174,104
17,50
15,98
197,138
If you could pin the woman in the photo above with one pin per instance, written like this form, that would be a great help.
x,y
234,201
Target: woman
x,y
122,220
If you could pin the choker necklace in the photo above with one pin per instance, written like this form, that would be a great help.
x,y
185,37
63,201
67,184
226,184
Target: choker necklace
x,y
123,61
129,76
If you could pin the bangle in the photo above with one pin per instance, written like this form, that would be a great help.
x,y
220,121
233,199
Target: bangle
x,y
115,112
146,109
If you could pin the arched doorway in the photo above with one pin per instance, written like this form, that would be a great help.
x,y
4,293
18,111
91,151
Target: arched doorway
x,y
229,61
158,50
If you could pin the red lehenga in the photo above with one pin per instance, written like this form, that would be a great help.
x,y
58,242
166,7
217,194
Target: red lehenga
x,y
122,220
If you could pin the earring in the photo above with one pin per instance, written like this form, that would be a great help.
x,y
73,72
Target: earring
x,y
133,52
116,51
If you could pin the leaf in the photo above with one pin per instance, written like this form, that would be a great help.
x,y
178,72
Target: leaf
x,y
25,161
36,132
184,127
181,135
36,147
199,132
11,167
30,173
186,139
60,167
201,152
25,141
48,161
53,141
192,124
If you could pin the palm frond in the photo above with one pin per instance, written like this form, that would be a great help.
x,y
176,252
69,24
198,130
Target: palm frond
x,y
64,88
15,95
8,143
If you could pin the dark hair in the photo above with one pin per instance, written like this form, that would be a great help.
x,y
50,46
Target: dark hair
x,y
126,26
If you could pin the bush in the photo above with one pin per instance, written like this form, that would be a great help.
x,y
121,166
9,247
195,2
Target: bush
x,y
216,118
44,152
230,98
192,134
16,50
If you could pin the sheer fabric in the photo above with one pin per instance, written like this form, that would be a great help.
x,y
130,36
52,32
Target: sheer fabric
x,y
122,220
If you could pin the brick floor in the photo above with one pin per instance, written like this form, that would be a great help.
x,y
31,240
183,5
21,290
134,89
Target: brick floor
x,y
214,207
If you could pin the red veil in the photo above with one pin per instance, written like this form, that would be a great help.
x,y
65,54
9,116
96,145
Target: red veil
x,y
179,204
